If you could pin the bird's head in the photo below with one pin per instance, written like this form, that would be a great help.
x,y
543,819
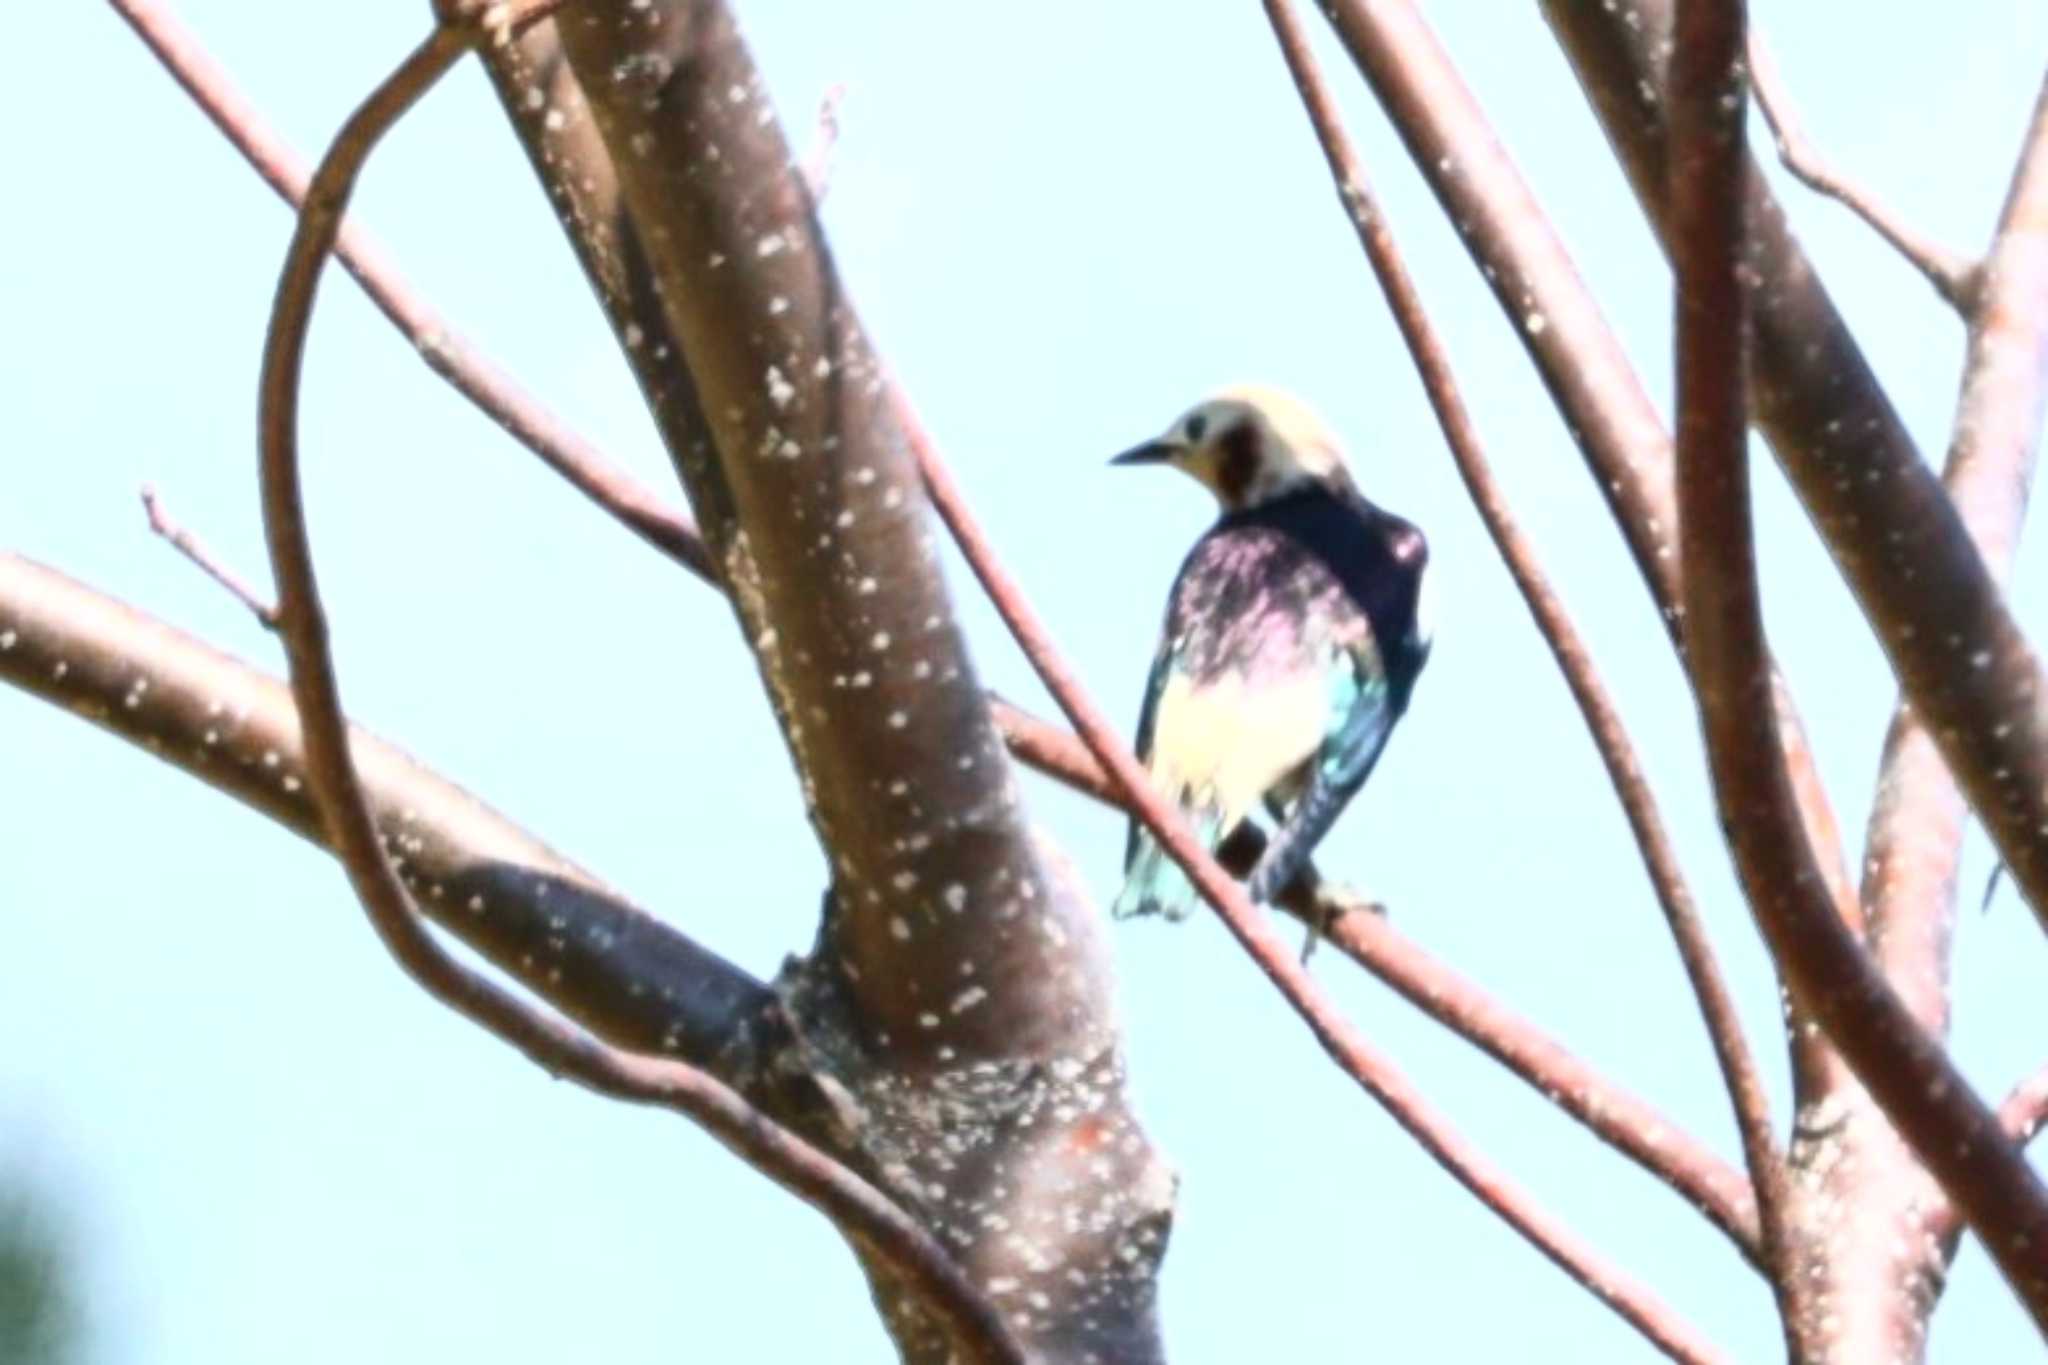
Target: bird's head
x,y
1248,445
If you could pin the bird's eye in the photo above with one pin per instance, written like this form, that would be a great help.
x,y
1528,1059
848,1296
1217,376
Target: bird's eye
x,y
1196,426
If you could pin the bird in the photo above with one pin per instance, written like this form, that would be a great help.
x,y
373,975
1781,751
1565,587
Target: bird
x,y
1294,633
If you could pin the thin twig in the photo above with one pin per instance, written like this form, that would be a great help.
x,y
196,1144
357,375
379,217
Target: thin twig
x,y
817,164
1953,277
196,550
794,1164
1624,769
2025,1111
1339,1038
1905,1069
1718,1190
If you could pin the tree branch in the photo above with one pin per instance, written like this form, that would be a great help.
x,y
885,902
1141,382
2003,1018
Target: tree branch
x,y
1610,736
1954,278
1611,1113
1932,1105
1345,1045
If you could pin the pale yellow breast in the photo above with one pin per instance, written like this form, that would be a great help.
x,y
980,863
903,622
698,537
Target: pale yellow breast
x,y
1223,744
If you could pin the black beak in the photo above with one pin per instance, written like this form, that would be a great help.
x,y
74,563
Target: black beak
x,y
1152,452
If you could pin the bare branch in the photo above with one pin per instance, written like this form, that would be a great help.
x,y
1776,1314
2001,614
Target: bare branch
x,y
1903,1067
1610,736
1948,633
195,550
1345,1045
792,1162
1953,277
1611,1113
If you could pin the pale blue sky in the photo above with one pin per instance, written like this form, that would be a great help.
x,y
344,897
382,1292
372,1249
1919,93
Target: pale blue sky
x,y
1063,222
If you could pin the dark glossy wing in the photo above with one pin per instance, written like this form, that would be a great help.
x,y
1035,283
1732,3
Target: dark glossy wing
x,y
1148,716
1363,712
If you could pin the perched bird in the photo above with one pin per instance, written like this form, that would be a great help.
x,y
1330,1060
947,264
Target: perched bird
x,y
1294,633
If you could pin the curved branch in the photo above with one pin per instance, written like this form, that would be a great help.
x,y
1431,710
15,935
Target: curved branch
x,y
1343,1042
1904,1069
803,1170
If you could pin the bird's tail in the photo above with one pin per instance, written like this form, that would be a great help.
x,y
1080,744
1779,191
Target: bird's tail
x,y
1153,882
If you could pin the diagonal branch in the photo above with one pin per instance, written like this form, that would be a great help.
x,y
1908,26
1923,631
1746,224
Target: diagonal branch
x,y
793,1163
1953,277
1916,825
1903,1067
1724,1027
1611,1113
1343,1042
